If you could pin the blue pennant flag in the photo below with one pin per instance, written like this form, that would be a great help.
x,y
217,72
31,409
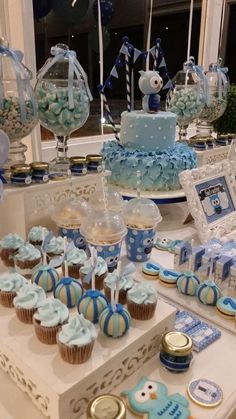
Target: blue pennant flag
x,y
168,85
162,63
153,51
124,50
137,53
114,72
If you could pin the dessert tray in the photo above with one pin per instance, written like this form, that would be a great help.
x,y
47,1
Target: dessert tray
x,y
159,197
61,390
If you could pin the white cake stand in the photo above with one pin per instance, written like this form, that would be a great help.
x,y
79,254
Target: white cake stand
x,y
159,197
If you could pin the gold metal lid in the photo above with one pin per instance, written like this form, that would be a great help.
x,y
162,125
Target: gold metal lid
x,y
177,343
106,406
39,165
78,159
94,157
20,168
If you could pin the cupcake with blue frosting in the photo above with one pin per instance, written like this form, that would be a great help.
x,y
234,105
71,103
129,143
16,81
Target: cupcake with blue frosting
x,y
75,260
142,301
49,319
28,299
35,235
125,283
10,283
26,259
9,245
100,271
55,247
76,340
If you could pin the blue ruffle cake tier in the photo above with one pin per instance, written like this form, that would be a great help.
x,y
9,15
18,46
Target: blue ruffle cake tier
x,y
159,169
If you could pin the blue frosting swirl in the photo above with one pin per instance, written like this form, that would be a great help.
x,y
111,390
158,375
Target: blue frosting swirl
x,y
143,294
159,170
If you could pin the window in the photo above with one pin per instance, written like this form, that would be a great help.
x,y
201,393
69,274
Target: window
x,y
170,23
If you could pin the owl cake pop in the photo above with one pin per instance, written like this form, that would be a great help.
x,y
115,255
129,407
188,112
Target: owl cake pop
x,y
68,290
115,320
93,302
45,276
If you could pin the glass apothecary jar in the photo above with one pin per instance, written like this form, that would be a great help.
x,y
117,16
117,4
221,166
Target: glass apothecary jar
x,y
63,98
18,110
218,87
187,99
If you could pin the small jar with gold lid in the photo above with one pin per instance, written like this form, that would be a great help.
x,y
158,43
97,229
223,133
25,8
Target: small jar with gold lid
x,y
94,163
78,165
176,351
106,406
40,172
20,175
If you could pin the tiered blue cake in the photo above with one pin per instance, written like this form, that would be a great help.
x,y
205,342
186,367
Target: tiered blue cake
x,y
147,143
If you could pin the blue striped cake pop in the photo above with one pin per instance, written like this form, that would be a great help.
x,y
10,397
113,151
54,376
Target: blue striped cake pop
x,y
208,293
46,277
68,290
91,304
114,320
187,283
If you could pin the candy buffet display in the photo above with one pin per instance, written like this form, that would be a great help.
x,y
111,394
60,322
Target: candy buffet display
x,y
18,109
63,98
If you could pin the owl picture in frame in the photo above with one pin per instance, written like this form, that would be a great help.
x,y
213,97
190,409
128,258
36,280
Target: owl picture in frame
x,y
211,198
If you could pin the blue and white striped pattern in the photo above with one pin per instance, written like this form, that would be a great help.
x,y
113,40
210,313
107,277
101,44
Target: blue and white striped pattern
x,y
114,322
127,76
208,293
46,277
187,283
109,115
91,304
68,290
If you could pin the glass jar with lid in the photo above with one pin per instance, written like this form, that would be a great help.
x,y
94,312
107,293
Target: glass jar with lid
x,y
63,98
18,110
188,97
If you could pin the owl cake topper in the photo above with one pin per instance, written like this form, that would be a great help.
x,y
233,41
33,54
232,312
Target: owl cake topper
x,y
150,399
150,83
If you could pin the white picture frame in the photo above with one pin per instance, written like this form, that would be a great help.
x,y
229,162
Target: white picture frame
x,y
211,199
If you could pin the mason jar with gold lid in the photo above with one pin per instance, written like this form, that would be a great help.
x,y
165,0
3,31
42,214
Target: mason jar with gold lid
x,y
107,405
78,165
94,163
176,351
20,174
40,172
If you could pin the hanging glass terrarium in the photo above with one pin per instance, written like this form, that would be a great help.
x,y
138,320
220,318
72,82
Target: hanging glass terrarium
x,y
63,98
18,110
218,86
187,99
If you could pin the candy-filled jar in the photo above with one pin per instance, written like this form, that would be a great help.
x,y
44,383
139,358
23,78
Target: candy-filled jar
x,y
218,87
63,98
18,110
188,97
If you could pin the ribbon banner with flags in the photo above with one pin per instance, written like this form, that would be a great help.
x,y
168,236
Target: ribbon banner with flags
x,y
127,57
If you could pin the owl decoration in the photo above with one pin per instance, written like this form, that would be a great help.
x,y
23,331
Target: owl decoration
x,y
150,83
150,399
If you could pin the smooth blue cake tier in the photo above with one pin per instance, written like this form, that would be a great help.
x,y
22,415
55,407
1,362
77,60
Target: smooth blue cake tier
x,y
159,170
148,131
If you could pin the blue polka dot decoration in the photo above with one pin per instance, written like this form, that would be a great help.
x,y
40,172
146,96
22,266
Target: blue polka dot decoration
x,y
68,290
46,277
114,321
91,304
187,283
208,293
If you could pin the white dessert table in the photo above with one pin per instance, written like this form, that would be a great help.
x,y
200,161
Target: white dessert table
x,y
217,362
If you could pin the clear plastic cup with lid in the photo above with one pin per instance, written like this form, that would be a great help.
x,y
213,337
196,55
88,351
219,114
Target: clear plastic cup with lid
x,y
114,201
68,217
105,230
141,216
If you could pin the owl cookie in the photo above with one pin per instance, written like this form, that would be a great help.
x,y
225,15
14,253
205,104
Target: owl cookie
x,y
150,400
